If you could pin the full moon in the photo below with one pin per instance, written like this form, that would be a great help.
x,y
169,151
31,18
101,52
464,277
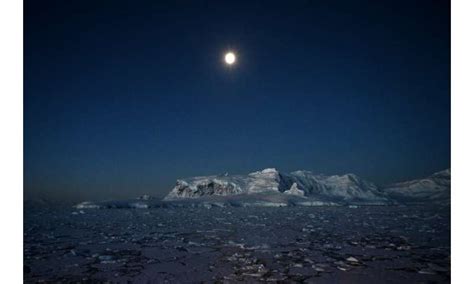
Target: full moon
x,y
230,58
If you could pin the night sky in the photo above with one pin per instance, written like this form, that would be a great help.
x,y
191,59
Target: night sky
x,y
123,98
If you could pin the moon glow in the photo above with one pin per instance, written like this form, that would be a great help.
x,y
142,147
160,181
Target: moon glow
x,y
229,58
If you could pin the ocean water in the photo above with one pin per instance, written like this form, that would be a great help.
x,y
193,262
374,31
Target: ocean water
x,y
328,244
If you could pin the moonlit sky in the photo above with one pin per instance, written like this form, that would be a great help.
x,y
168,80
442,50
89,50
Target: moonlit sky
x,y
123,98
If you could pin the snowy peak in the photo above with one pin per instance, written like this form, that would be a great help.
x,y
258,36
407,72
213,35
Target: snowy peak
x,y
442,175
344,188
272,188
265,180
340,189
268,171
436,187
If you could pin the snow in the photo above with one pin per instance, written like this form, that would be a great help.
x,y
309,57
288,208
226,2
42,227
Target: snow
x,y
138,205
87,205
269,171
343,189
315,203
270,187
436,187
294,190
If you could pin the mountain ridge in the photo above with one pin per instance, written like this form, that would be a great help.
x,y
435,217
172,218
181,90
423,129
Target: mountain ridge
x,y
345,188
272,188
434,188
342,188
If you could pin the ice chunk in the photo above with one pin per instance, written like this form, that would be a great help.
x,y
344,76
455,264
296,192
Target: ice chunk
x,y
294,190
87,205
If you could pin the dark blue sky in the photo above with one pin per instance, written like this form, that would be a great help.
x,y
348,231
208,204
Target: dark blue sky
x,y
123,98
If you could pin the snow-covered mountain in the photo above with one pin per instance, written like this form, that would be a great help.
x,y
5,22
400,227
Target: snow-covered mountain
x,y
271,188
344,188
435,188
347,188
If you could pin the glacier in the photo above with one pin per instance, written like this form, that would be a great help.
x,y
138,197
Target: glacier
x,y
435,188
303,185
272,188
